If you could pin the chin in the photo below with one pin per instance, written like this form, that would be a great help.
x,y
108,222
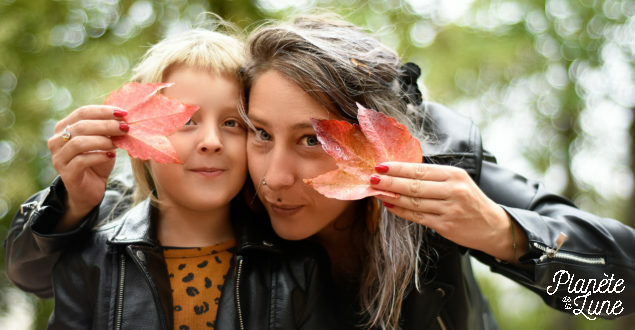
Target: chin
x,y
207,205
290,232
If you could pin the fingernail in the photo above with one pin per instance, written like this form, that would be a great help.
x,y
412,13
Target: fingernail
x,y
110,154
388,205
374,179
119,113
124,127
381,168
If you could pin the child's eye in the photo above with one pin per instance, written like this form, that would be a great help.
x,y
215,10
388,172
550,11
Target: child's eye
x,y
190,122
261,134
311,140
231,123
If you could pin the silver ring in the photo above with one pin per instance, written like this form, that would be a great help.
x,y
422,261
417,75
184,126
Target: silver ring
x,y
66,133
264,183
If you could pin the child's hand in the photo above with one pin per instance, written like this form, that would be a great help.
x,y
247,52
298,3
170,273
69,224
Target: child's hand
x,y
83,155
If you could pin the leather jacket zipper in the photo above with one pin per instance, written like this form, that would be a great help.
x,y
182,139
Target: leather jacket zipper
x,y
239,311
29,208
122,276
557,254
441,323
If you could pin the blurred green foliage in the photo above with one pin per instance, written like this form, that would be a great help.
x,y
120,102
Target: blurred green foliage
x,y
549,65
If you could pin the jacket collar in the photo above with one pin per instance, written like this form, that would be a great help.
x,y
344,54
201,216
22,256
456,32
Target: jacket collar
x,y
452,139
253,233
137,226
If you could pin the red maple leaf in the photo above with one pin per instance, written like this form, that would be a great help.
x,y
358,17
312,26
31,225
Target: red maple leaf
x,y
152,117
357,149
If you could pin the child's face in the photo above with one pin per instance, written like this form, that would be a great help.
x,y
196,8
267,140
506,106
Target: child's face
x,y
284,150
211,145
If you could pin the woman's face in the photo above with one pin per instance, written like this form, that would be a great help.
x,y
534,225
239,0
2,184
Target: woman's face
x,y
284,150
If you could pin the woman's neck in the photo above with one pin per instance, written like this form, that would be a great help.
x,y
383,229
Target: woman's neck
x,y
343,243
184,227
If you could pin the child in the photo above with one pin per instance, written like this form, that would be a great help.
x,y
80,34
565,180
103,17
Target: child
x,y
183,233
187,256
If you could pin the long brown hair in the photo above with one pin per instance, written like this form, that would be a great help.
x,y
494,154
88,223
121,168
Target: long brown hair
x,y
339,65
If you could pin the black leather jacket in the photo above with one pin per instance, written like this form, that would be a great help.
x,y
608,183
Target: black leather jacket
x,y
597,248
114,276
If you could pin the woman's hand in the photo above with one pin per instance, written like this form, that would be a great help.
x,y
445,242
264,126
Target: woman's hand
x,y
446,199
84,155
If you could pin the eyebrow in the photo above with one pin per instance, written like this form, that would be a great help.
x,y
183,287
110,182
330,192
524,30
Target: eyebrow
x,y
301,125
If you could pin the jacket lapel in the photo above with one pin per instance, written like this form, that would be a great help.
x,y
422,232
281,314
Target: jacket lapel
x,y
137,236
421,309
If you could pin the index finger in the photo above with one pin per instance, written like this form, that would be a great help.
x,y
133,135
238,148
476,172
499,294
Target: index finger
x,y
429,172
91,112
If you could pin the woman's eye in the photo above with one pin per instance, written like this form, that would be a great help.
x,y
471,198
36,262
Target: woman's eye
x,y
311,140
190,122
261,134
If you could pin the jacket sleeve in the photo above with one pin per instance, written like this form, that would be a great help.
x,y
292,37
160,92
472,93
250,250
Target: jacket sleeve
x,y
594,264
75,291
31,247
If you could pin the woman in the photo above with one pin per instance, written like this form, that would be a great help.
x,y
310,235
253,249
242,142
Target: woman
x,y
405,272
396,272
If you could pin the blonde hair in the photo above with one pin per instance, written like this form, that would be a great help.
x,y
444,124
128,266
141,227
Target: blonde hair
x,y
338,65
208,50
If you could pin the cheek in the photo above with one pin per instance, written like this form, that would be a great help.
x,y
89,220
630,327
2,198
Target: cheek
x,y
182,144
164,175
327,208
237,146
316,165
156,169
256,163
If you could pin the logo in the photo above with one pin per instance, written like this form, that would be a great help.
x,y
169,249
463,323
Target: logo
x,y
581,289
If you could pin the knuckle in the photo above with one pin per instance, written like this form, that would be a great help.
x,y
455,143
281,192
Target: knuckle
x,y
388,182
415,187
418,217
453,172
461,192
456,190
59,126
75,143
56,163
113,126
82,111
79,162
459,173
415,202
420,171
51,142
78,128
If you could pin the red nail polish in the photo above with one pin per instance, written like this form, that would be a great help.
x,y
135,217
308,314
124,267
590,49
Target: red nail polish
x,y
381,168
119,113
388,205
124,127
374,179
110,154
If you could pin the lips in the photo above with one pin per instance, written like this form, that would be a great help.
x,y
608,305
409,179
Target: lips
x,y
284,209
207,171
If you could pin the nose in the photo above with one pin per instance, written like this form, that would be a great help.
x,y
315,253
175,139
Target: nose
x,y
209,140
280,173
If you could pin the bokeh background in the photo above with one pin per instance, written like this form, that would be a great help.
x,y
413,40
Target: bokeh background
x,y
550,83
